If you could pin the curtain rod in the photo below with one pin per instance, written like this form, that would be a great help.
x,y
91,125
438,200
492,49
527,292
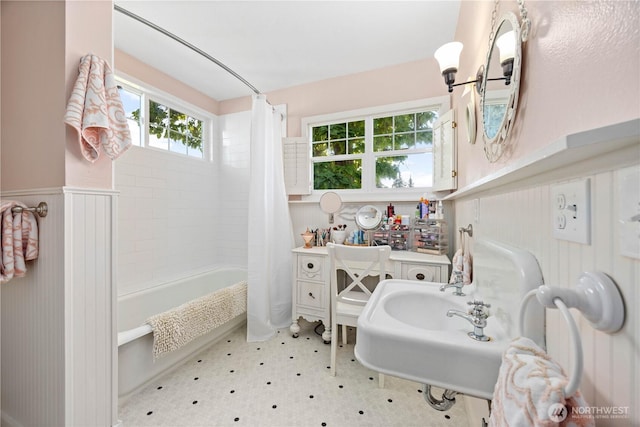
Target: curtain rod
x,y
185,43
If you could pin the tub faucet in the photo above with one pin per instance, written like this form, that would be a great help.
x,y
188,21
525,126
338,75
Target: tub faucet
x,y
458,284
477,316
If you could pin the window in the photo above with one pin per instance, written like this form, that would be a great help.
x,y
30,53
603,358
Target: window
x,y
132,103
389,149
337,150
156,123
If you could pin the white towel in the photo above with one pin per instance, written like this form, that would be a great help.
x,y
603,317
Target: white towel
x,y
530,391
95,111
19,240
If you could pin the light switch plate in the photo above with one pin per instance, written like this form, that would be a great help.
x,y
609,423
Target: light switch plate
x,y
629,211
571,211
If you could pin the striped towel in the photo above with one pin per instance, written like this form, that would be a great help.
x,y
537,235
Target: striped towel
x,y
530,391
19,240
95,111
177,327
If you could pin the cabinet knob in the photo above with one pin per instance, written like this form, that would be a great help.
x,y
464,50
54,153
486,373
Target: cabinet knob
x,y
311,295
310,265
420,276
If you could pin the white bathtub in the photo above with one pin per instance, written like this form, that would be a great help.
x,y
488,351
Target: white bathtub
x,y
136,366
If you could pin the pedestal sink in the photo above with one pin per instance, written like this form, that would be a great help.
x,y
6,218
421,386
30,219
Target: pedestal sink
x,y
404,330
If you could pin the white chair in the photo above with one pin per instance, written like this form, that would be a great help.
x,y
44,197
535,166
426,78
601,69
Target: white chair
x,y
357,262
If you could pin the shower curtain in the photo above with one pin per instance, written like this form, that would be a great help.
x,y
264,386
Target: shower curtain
x,y
270,236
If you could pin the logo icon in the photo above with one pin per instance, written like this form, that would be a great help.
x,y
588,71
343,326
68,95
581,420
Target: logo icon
x,y
557,412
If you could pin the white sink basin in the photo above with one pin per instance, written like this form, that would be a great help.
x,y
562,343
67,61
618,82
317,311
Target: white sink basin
x,y
404,331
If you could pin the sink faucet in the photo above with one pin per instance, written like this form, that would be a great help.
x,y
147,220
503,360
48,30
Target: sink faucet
x,y
477,316
458,284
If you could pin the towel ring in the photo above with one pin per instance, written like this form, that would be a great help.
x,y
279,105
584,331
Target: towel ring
x,y
597,297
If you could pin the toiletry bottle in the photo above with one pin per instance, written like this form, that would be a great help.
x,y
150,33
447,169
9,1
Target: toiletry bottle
x,y
440,210
424,208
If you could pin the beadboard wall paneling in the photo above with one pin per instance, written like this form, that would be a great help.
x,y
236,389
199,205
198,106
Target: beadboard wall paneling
x,y
523,218
59,357
90,298
33,349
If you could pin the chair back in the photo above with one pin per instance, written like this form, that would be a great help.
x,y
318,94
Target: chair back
x,y
357,262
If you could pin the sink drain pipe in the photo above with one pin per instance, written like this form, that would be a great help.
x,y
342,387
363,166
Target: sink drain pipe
x,y
447,401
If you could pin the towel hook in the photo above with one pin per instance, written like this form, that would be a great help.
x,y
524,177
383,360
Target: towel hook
x,y
468,229
599,300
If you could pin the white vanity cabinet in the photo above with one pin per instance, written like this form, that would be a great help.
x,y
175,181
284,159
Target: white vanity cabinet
x,y
311,297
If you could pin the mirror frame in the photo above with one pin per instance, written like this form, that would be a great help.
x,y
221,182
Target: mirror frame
x,y
495,147
368,223
330,203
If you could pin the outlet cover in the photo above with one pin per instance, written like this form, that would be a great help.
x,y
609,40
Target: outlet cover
x,y
571,211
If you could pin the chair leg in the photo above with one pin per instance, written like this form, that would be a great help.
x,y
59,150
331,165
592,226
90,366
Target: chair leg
x,y
334,348
344,334
380,380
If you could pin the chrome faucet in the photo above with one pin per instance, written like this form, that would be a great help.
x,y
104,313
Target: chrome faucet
x,y
458,284
477,316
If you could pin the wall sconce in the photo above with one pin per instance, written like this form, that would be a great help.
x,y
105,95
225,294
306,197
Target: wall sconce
x,y
507,45
448,57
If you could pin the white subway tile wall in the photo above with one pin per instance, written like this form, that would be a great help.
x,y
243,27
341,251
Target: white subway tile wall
x,y
179,215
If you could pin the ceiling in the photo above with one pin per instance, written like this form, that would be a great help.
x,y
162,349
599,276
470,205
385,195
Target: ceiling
x,y
279,44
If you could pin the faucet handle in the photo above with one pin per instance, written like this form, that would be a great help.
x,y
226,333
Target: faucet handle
x,y
478,308
478,303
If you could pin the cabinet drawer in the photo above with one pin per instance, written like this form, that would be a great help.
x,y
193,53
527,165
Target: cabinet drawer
x,y
424,273
311,294
310,267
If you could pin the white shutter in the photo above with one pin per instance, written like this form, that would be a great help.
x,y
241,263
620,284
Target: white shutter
x,y
296,165
445,175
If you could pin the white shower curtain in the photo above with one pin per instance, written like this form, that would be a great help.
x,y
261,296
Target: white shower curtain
x,y
270,235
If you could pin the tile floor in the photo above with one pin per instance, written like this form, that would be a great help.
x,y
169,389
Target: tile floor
x,y
282,382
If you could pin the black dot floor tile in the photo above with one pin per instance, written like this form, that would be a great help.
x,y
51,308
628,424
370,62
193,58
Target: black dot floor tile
x,y
281,382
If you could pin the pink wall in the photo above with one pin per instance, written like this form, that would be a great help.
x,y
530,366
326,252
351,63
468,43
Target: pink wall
x,y
133,67
88,29
404,82
580,71
33,135
38,149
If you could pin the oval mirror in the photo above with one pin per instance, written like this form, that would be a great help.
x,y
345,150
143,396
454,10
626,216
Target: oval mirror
x,y
330,203
501,86
368,218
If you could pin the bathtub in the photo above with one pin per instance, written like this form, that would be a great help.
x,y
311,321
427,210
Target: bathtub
x,y
136,366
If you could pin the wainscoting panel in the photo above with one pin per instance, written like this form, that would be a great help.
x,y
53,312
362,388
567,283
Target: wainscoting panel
x,y
90,297
523,218
59,357
33,382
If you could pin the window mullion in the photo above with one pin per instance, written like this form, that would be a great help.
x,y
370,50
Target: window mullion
x,y
145,120
368,159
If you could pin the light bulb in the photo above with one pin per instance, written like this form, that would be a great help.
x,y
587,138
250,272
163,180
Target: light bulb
x,y
448,56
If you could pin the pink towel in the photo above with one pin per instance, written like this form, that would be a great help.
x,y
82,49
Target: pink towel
x,y
530,391
462,262
95,111
19,240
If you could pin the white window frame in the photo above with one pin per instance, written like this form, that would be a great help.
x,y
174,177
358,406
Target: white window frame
x,y
148,92
369,191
